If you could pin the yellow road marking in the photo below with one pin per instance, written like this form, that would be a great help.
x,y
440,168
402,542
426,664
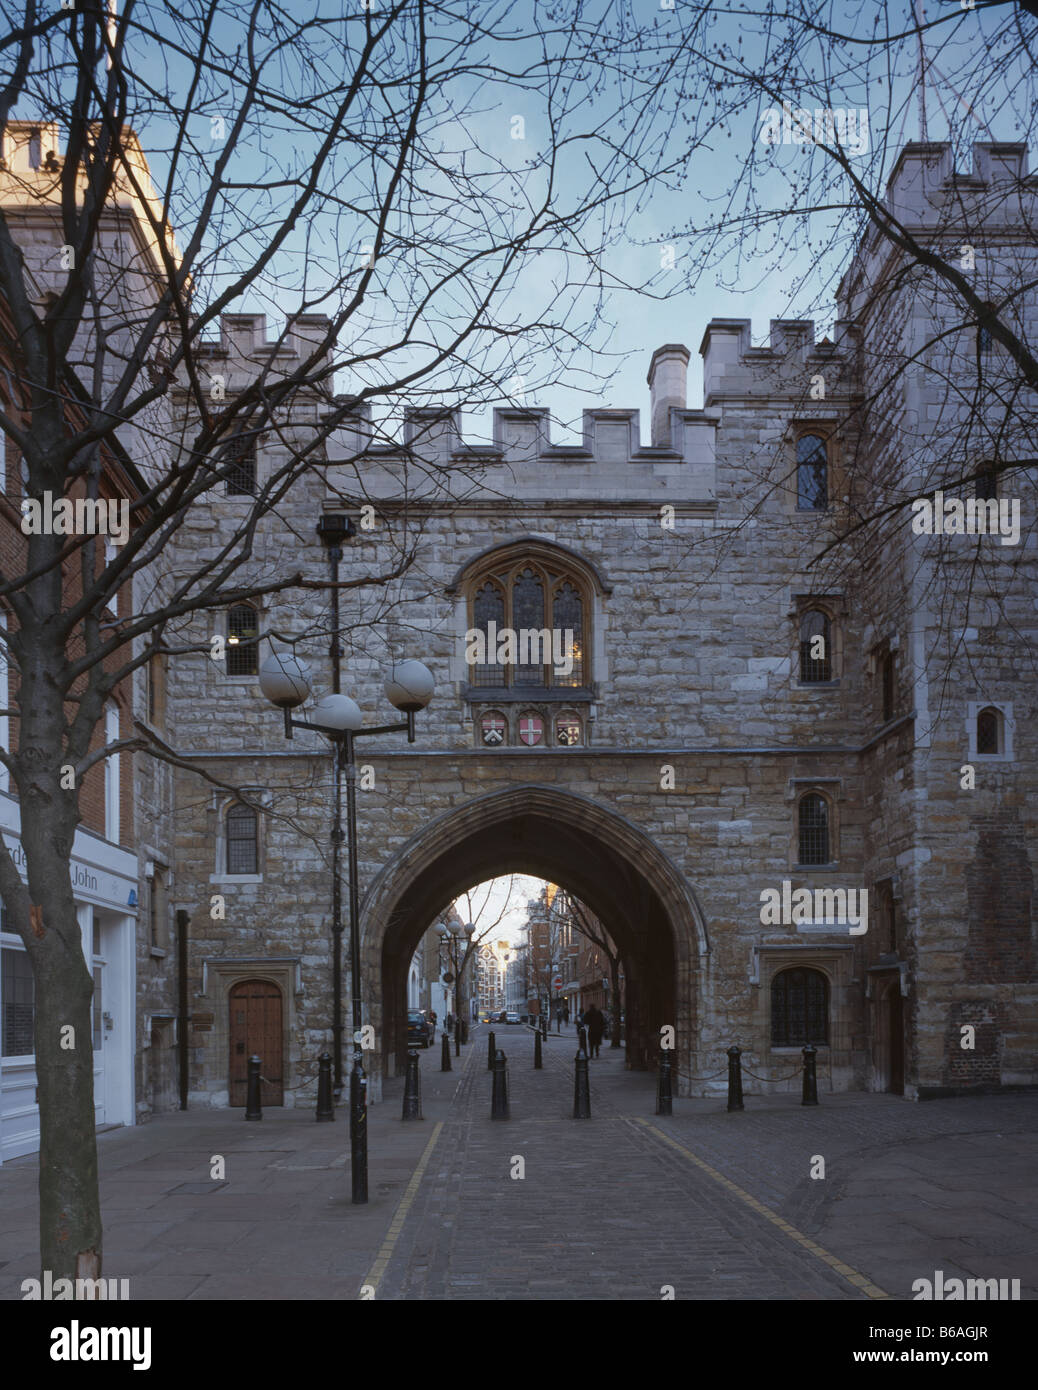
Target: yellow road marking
x,y
400,1215
851,1275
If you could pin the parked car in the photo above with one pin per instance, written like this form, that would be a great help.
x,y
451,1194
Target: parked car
x,y
418,1029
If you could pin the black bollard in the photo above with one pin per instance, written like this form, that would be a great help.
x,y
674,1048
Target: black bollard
x,y
664,1093
491,1050
499,1095
412,1088
445,1053
253,1109
735,1079
810,1077
358,1132
325,1108
538,1064
581,1088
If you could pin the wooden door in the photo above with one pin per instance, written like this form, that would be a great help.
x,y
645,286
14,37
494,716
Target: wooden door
x,y
256,1029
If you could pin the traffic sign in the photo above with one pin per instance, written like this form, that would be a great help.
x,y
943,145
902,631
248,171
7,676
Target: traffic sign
x,y
557,982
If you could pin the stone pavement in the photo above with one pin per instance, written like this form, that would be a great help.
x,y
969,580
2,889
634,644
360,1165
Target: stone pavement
x,y
624,1206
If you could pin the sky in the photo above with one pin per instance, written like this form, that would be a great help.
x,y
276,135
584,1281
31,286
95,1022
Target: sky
x,y
506,896
652,239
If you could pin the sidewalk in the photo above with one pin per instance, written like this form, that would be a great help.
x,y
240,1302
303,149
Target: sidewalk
x,y
620,1206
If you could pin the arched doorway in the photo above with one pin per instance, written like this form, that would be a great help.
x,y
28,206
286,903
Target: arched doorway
x,y
256,1029
589,849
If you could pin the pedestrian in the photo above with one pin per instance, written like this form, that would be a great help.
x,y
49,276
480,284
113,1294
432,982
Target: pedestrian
x,y
580,1019
565,1014
594,1021
448,1021
432,1025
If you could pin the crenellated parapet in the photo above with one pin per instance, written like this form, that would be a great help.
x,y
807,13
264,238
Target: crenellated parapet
x,y
520,459
785,368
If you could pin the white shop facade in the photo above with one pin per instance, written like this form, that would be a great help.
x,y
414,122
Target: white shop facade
x,y
104,882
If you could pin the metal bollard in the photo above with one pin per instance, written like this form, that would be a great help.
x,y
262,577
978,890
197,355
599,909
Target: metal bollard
x,y
412,1088
253,1109
491,1050
499,1095
581,1088
735,1079
325,1108
358,1132
664,1092
810,1076
538,1063
445,1053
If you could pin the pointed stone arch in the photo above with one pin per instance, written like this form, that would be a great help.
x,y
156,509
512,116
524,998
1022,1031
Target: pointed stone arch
x,y
591,849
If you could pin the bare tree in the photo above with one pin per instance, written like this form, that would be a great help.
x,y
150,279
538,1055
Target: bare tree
x,y
364,177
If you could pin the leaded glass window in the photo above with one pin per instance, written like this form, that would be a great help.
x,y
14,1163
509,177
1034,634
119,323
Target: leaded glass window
x,y
240,455
242,632
242,840
528,613
813,829
550,607
799,1008
815,648
488,606
812,473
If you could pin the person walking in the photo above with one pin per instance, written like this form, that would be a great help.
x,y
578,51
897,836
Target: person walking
x,y
565,1014
594,1022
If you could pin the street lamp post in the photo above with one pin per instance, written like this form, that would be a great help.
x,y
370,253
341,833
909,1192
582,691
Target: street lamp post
x,y
451,941
285,682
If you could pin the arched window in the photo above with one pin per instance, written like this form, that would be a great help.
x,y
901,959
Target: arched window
x,y
799,1008
242,840
812,473
989,731
815,647
813,829
242,636
534,615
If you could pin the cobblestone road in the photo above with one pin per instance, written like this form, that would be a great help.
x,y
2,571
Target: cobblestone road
x,y
607,1209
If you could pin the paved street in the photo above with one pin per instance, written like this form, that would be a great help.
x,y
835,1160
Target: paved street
x,y
623,1206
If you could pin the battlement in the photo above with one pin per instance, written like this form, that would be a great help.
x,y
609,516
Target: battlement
x,y
244,341
521,459
732,366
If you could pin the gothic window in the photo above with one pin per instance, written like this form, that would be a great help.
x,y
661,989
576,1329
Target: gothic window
x,y
799,1008
989,731
242,840
528,613
813,829
239,458
535,621
815,648
242,634
812,473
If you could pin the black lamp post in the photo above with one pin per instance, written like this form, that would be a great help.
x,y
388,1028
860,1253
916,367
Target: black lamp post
x,y
285,682
452,943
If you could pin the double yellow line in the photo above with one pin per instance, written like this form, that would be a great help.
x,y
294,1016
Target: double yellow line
x,y
844,1270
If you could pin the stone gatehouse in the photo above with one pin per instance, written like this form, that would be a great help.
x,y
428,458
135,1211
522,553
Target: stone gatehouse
x,y
734,715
